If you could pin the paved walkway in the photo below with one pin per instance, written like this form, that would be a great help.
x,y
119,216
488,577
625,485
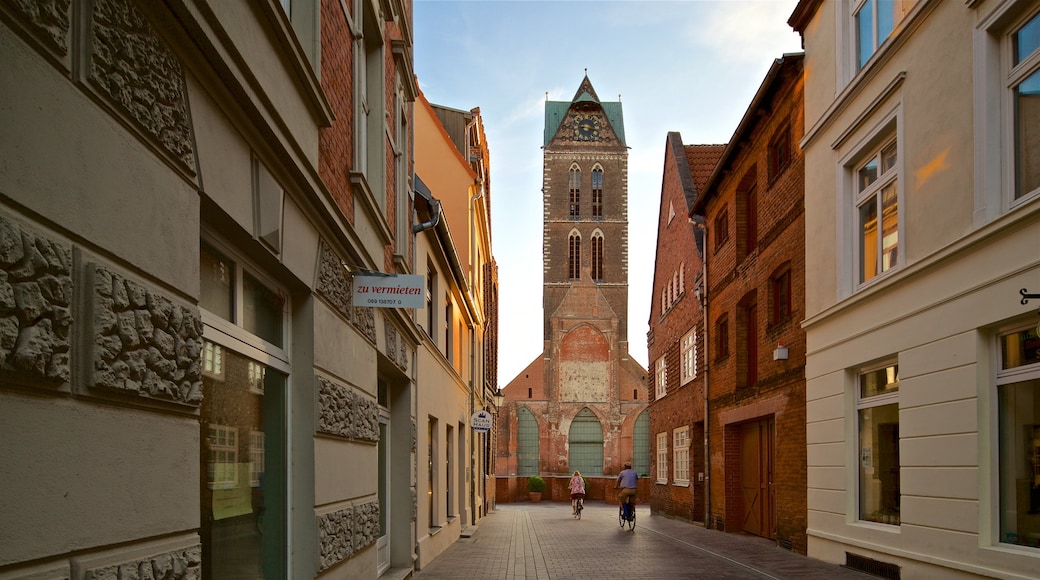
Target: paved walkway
x,y
543,541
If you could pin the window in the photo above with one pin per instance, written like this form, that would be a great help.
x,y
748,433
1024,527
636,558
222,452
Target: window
x,y
749,197
243,418
575,186
721,338
721,230
662,458
688,356
431,277
779,152
661,379
222,453
747,357
431,469
780,293
597,192
574,256
526,443
585,444
597,256
877,407
1024,80
368,95
449,340
268,206
1008,108
449,472
641,444
874,21
681,455
877,212
1018,394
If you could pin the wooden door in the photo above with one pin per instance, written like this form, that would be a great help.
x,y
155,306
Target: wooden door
x,y
756,478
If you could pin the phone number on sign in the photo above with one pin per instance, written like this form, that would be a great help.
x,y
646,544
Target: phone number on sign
x,y
384,301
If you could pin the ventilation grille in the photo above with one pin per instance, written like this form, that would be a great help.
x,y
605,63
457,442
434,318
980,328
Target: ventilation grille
x,y
872,566
785,544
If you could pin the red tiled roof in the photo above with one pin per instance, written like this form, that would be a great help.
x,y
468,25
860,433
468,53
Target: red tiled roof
x,y
702,160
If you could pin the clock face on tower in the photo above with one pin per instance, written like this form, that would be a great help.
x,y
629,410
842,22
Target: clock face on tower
x,y
586,126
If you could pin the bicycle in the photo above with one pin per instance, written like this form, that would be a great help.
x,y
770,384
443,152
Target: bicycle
x,y
630,517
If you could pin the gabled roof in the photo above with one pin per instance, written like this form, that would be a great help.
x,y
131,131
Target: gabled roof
x,y
555,111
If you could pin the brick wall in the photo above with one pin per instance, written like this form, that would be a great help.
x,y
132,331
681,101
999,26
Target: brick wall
x,y
336,143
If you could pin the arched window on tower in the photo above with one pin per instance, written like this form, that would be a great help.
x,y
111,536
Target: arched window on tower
x,y
585,444
526,442
574,256
575,187
597,192
597,256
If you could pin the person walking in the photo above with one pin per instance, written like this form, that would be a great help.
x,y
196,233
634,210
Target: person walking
x,y
577,492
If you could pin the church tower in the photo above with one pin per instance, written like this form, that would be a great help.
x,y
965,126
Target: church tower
x,y
581,405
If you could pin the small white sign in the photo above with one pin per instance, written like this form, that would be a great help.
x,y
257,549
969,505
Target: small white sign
x,y
396,291
481,421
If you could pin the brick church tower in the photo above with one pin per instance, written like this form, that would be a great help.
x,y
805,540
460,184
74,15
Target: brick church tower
x,y
580,405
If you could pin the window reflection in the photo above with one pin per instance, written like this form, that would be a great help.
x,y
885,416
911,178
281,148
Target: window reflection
x,y
243,457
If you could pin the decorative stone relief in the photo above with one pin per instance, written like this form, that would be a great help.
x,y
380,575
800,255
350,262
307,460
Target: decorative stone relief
x,y
184,564
396,346
365,320
49,21
415,435
345,413
366,524
333,283
144,344
35,303
139,74
334,537
344,532
415,504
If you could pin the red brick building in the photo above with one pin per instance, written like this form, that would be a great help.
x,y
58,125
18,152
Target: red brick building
x,y
675,338
577,406
752,206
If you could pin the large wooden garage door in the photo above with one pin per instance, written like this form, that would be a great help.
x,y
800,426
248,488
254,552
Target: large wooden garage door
x,y
756,477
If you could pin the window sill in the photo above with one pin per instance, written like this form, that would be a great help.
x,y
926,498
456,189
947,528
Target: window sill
x,y
681,484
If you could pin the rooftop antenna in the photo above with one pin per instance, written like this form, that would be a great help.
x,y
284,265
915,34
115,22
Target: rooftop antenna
x,y
547,96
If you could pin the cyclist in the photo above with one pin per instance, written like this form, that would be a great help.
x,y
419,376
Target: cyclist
x,y
627,482
577,492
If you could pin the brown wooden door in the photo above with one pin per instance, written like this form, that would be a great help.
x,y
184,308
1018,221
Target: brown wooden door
x,y
756,478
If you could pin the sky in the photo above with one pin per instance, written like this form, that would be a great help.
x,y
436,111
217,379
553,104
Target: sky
x,y
688,66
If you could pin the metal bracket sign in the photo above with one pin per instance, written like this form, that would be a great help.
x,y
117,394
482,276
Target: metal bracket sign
x,y
481,421
390,291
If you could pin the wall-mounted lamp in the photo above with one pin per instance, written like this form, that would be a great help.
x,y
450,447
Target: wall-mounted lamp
x,y
781,352
697,292
500,399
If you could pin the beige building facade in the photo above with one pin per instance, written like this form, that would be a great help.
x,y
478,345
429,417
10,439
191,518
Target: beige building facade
x,y
187,191
922,219
454,247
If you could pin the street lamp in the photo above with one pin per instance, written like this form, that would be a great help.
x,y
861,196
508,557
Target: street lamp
x,y
500,399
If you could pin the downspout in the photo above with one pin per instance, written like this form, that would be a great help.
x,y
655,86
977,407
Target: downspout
x,y
698,222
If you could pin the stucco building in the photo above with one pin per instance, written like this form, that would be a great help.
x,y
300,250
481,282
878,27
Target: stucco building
x,y
923,212
453,181
579,405
188,189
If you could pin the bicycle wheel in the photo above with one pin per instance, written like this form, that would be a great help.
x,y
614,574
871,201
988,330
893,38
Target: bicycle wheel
x,y
578,515
621,515
632,517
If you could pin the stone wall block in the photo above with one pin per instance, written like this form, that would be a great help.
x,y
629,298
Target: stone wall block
x,y
182,564
153,347
139,75
366,524
48,21
334,537
35,296
333,283
345,413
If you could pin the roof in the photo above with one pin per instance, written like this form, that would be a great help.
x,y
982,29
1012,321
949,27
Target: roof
x,y
702,160
555,111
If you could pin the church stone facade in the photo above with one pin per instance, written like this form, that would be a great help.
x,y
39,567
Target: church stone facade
x,y
580,405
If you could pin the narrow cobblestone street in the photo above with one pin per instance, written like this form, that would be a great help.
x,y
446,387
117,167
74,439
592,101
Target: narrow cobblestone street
x,y
543,541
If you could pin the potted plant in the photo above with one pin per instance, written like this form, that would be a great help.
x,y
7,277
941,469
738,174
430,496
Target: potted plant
x,y
535,487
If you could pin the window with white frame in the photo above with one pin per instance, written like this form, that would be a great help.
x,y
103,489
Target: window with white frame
x,y
688,356
662,458
256,458
681,453
368,95
1018,396
222,454
873,21
1007,49
212,360
876,188
660,378
877,410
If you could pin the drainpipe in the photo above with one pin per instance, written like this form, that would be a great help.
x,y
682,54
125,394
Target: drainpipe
x,y
698,223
